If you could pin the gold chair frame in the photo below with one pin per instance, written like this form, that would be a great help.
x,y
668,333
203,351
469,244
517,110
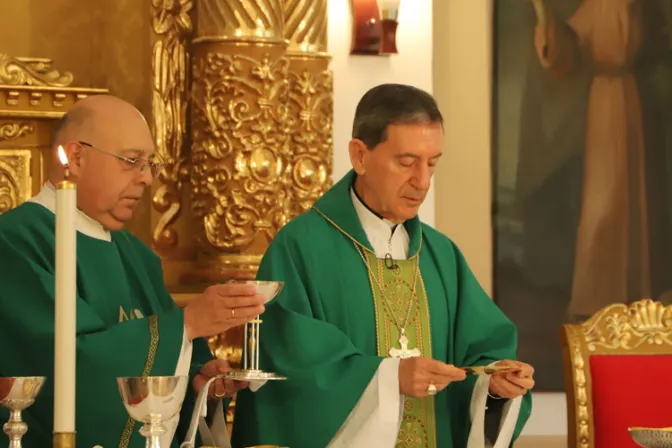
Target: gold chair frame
x,y
643,327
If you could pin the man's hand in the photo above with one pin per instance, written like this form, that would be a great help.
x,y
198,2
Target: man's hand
x,y
513,384
222,307
416,374
220,387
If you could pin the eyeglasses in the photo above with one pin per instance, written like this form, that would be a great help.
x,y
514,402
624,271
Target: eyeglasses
x,y
137,164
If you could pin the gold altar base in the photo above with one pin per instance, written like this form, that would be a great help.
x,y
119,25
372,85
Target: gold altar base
x,y
64,440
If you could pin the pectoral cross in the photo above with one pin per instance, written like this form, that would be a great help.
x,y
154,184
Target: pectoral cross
x,y
404,352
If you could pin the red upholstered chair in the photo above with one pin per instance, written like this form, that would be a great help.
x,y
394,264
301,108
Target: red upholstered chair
x,y
618,374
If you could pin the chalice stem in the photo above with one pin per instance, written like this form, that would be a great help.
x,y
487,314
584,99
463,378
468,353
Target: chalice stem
x,y
246,349
252,346
256,349
15,428
153,442
153,432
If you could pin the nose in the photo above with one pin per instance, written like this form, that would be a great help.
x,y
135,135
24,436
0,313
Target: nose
x,y
422,177
146,177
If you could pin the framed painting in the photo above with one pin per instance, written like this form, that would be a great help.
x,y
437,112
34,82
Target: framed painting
x,y
582,164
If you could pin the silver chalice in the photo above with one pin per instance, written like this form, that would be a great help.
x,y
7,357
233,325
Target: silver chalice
x,y
251,370
153,400
17,394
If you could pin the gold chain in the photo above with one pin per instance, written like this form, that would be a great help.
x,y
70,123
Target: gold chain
x,y
401,328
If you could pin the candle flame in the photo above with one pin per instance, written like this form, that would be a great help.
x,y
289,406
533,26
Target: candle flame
x,y
62,156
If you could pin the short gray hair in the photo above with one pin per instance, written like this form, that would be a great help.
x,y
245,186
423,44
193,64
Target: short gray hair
x,y
388,104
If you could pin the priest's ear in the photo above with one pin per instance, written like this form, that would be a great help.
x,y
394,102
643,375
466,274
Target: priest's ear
x,y
358,154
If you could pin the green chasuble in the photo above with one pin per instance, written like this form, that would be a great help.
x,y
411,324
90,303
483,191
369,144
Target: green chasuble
x,y
127,325
329,330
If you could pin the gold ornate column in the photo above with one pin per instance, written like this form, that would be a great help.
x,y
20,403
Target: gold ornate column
x,y
171,33
239,125
311,105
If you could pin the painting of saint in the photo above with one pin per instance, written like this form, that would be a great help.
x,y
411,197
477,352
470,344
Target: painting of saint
x,y
582,157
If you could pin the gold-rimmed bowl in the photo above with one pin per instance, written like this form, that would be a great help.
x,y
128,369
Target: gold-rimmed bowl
x,y
652,437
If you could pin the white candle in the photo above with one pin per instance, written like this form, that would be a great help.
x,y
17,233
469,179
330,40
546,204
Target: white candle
x,y
66,303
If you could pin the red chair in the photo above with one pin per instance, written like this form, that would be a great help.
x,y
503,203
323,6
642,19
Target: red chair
x,y
618,374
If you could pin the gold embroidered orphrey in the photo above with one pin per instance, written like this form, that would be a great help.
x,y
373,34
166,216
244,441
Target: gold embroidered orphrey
x,y
418,426
403,351
393,298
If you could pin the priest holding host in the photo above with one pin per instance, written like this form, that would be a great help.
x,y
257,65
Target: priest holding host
x,y
381,323
127,322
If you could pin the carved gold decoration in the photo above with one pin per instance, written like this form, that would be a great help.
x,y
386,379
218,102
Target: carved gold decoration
x,y
629,327
306,25
581,428
32,97
311,130
311,103
643,327
31,72
15,180
240,149
14,131
228,346
172,28
40,102
239,21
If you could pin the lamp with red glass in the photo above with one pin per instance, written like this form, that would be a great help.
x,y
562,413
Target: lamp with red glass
x,y
389,13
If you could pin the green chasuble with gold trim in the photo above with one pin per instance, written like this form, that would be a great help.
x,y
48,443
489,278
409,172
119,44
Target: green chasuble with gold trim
x,y
127,325
330,329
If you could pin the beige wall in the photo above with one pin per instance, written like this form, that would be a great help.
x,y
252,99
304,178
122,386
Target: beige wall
x,y
461,67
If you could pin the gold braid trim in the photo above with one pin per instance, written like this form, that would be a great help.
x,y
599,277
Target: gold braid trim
x,y
360,244
149,365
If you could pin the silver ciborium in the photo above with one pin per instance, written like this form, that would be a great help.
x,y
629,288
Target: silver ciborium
x,y
17,394
652,437
154,401
251,370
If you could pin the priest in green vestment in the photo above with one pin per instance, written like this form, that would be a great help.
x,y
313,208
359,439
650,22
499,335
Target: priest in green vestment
x,y
380,313
127,322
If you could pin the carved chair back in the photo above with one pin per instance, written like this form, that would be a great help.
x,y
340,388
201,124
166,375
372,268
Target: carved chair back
x,y
618,373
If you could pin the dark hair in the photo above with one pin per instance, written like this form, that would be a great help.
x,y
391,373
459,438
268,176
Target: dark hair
x,y
388,104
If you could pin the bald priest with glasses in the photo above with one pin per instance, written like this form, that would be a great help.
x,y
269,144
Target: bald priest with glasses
x,y
127,322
